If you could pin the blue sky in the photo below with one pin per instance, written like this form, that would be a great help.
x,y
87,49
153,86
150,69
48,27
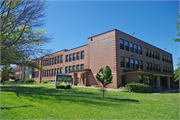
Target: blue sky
x,y
71,22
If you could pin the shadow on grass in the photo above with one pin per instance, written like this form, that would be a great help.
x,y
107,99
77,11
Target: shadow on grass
x,y
9,108
75,95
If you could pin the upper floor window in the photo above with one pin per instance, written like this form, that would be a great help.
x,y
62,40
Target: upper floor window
x,y
131,47
140,64
132,63
152,54
49,73
149,53
121,44
166,59
52,61
170,60
162,57
127,45
122,62
66,58
82,54
146,52
156,67
61,59
150,66
147,65
136,49
57,70
153,66
70,57
74,56
77,67
54,72
127,63
159,68
82,66
77,55
58,60
69,69
74,67
66,69
155,54
61,70
55,60
136,64
140,50
48,62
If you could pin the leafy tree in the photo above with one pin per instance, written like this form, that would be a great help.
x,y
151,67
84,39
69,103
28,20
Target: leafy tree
x,y
19,39
177,27
176,77
104,76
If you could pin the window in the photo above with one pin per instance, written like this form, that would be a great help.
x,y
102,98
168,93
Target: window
x,y
61,60
58,60
149,53
66,69
58,71
55,60
82,54
127,45
43,63
155,55
49,73
52,61
162,57
61,70
156,67
150,66
152,54
170,60
70,57
132,63
74,67
131,47
163,69
166,59
66,58
74,56
82,66
48,62
121,44
77,55
153,66
77,67
127,63
159,68
140,50
136,49
54,72
122,62
146,52
147,65
43,73
136,64
140,64
69,69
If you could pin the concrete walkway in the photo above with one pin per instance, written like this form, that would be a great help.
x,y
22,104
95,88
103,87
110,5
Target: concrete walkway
x,y
120,90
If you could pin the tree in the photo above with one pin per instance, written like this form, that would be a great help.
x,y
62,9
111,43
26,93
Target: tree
x,y
19,39
177,27
177,72
104,76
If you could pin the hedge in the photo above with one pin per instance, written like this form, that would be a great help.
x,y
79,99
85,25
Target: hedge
x,y
137,87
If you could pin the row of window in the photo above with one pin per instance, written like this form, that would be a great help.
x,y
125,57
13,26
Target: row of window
x,y
135,64
53,72
35,74
152,54
73,57
133,47
167,69
166,59
152,66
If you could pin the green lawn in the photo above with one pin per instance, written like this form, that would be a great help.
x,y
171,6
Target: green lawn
x,y
42,101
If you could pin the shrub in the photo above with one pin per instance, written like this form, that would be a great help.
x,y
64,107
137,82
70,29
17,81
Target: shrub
x,y
29,80
17,80
137,87
152,90
60,86
68,86
9,81
124,88
46,81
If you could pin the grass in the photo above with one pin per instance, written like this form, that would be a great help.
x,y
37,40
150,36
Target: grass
x,y
42,101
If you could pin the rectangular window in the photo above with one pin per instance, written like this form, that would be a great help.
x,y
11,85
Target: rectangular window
x,y
127,45
132,63
140,64
122,62
136,49
74,56
152,54
61,59
70,57
127,63
155,54
137,64
82,54
66,69
54,72
47,73
146,52
77,55
162,57
55,60
149,53
163,69
66,58
58,60
74,67
61,70
159,68
147,65
131,47
57,70
166,59
52,61
43,73
170,60
150,66
121,44
48,62
153,66
82,66
69,69
77,67
140,50
156,67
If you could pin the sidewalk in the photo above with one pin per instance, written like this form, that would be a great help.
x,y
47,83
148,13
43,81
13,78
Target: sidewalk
x,y
119,90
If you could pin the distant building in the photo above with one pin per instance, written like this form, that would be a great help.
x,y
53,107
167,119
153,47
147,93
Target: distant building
x,y
129,58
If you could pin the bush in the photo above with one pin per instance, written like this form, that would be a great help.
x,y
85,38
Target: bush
x,y
124,88
17,80
64,86
153,90
9,81
29,80
60,86
137,87
46,81
68,86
